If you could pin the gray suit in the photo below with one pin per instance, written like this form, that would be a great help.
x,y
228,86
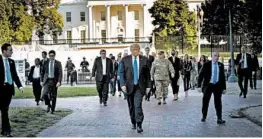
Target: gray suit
x,y
50,89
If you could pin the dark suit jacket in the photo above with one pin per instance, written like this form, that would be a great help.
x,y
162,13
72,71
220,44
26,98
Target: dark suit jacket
x,y
205,76
115,69
58,71
254,63
14,75
97,69
239,56
126,74
177,66
30,77
150,59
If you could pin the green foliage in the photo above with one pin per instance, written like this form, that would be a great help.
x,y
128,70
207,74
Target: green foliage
x,y
173,18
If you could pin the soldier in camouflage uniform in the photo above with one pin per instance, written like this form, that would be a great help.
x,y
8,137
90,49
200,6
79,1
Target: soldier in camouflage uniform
x,y
160,73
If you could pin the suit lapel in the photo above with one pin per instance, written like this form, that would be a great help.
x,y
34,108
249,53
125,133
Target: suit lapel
x,y
2,66
131,63
140,64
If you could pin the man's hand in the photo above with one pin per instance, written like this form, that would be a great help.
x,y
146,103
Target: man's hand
x,y
151,79
172,75
112,79
91,77
253,72
148,90
118,78
241,60
21,89
199,90
224,92
123,88
58,84
41,83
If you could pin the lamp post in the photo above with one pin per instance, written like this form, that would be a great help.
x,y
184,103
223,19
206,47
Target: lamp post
x,y
232,77
200,14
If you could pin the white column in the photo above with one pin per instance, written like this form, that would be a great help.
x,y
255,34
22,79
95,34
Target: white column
x,y
144,20
90,23
126,21
108,22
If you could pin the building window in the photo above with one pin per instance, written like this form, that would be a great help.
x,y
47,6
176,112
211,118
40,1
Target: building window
x,y
83,36
103,16
68,16
82,16
69,37
55,38
119,15
103,36
137,35
136,15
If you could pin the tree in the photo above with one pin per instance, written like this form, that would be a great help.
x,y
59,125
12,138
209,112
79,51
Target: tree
x,y
173,18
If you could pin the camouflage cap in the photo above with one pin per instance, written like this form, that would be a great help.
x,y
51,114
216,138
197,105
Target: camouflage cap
x,y
160,52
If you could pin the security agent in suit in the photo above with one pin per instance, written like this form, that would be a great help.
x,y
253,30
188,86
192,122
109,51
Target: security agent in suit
x,y
153,88
103,70
213,77
243,70
114,79
135,80
34,77
254,69
51,78
44,56
8,76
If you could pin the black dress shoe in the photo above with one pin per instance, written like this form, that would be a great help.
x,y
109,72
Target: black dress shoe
x,y
3,133
240,94
52,111
48,109
139,129
133,126
9,134
245,96
203,119
37,103
220,121
159,103
100,101
105,103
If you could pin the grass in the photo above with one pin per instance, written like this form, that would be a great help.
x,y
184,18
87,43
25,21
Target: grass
x,y
28,122
63,92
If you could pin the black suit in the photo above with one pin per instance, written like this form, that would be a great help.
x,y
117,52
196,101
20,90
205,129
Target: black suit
x,y
49,84
177,67
209,88
255,68
243,72
153,88
102,81
7,91
135,92
114,80
35,83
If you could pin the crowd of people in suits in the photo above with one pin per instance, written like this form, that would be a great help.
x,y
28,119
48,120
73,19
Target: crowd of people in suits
x,y
136,76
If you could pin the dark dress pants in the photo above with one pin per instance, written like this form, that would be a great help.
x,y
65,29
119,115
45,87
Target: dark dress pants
x,y
186,80
253,80
244,75
212,88
135,106
36,89
50,93
103,89
5,100
174,85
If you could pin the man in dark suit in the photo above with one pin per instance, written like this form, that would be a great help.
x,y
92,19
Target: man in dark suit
x,y
254,69
176,62
114,79
150,59
44,56
51,78
135,81
8,76
103,70
34,77
213,77
243,70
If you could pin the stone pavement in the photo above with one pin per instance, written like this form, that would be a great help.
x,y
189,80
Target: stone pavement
x,y
175,119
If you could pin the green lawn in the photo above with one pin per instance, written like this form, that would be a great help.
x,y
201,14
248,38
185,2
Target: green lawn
x,y
63,92
28,122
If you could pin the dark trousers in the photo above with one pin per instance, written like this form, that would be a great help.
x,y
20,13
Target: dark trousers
x,y
253,80
186,80
211,88
50,93
36,89
119,86
135,106
244,74
5,100
69,74
152,91
174,85
103,89
113,86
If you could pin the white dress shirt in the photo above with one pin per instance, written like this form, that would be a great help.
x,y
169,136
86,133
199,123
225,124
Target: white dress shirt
x,y
173,58
138,63
49,68
36,73
245,60
104,65
4,58
211,80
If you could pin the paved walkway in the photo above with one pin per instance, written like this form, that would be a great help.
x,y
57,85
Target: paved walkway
x,y
175,119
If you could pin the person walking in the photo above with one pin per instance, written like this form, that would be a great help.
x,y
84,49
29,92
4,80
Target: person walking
x,y
161,68
135,81
8,76
186,73
212,78
193,73
254,69
51,78
150,59
114,79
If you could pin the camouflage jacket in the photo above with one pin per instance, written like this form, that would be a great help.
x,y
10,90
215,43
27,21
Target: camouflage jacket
x,y
161,68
